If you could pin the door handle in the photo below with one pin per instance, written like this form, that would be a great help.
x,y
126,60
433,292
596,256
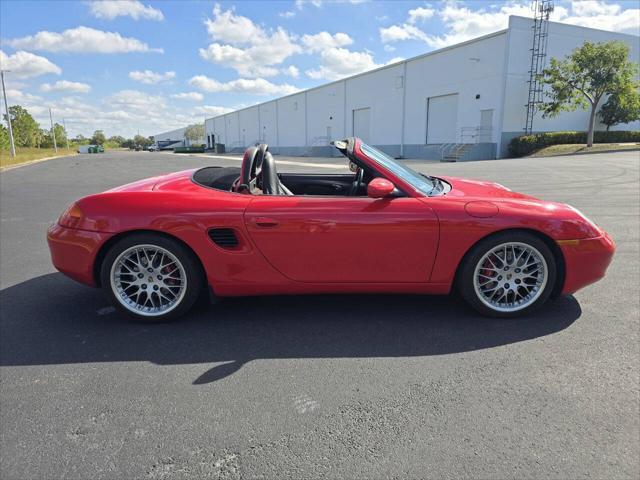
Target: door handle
x,y
266,222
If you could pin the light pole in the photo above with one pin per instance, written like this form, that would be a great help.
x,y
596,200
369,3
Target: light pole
x,y
66,134
6,107
53,132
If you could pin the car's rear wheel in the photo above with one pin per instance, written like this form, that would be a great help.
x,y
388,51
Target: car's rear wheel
x,y
508,274
151,277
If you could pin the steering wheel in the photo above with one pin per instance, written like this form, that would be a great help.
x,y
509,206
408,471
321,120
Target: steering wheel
x,y
357,182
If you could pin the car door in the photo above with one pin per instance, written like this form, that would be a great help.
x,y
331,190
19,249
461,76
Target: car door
x,y
345,239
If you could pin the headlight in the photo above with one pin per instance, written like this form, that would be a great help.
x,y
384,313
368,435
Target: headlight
x,y
585,218
71,217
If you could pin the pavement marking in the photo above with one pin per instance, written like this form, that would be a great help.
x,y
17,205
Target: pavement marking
x,y
304,403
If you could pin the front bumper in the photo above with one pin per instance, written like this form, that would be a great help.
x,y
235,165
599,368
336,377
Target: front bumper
x,y
73,251
586,261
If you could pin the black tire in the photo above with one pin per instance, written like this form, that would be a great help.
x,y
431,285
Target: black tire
x,y
465,280
190,264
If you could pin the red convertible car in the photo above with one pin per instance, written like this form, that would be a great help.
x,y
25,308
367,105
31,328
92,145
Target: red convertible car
x,y
156,245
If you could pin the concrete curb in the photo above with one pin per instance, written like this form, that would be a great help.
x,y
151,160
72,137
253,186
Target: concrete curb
x,y
32,162
585,153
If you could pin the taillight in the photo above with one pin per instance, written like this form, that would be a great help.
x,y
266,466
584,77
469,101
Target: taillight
x,y
71,216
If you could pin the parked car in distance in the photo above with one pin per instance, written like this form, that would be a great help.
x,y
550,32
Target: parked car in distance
x,y
156,245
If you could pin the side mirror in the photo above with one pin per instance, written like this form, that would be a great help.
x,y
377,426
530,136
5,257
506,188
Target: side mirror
x,y
380,188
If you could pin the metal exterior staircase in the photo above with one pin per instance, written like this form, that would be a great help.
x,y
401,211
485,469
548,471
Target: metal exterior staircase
x,y
469,137
455,151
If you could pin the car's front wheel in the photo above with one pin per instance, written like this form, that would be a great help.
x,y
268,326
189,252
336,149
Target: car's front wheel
x,y
508,274
151,277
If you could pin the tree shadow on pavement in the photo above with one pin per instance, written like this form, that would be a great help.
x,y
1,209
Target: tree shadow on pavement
x,y
51,320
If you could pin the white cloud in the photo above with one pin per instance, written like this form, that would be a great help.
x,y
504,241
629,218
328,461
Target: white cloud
x,y
81,40
65,86
123,113
18,97
594,7
324,40
319,3
291,71
212,110
420,14
230,28
301,3
195,96
395,60
398,33
151,78
256,86
462,23
246,47
26,65
604,16
287,14
110,9
337,63
135,99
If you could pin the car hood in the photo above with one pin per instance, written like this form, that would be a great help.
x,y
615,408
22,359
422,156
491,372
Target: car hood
x,y
168,181
480,189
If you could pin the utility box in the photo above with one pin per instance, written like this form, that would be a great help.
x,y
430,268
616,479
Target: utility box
x,y
219,148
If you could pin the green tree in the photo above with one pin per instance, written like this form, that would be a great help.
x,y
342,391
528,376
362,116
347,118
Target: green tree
x,y
116,140
25,128
621,107
583,78
98,137
45,140
61,135
194,133
128,143
142,141
81,140
4,138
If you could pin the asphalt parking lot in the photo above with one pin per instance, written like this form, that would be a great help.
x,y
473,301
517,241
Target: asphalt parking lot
x,y
317,387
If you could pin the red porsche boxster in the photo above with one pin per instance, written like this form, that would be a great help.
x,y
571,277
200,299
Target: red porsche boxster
x,y
156,245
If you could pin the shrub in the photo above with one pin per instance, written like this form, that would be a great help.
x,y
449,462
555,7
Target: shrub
x,y
526,144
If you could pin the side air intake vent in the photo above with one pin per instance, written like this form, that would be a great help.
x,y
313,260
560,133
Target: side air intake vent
x,y
224,237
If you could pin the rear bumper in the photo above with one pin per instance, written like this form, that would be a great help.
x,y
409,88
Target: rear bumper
x,y
73,252
586,261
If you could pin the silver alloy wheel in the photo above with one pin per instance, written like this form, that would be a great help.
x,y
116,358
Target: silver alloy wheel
x,y
148,280
510,277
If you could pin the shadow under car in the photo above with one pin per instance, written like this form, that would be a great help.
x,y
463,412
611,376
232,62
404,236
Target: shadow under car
x,y
65,325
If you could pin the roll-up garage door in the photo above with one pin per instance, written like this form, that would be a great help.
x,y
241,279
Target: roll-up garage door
x,y
442,119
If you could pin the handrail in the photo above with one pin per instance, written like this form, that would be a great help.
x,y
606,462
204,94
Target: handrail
x,y
476,134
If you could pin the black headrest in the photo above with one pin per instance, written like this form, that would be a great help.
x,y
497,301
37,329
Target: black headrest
x,y
270,179
248,169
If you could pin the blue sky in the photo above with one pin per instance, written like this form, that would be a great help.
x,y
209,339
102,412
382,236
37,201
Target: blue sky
x,y
150,66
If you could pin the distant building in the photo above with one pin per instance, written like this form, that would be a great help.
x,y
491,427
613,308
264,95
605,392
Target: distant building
x,y
174,138
472,93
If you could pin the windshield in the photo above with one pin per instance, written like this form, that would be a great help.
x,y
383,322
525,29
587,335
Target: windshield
x,y
422,183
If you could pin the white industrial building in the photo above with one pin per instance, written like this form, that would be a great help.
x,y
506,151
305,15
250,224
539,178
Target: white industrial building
x,y
473,93
174,138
